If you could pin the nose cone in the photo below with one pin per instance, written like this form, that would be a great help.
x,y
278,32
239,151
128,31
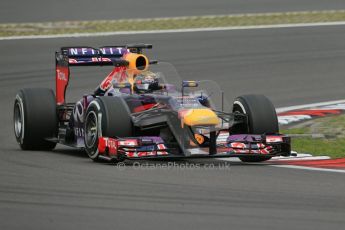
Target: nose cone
x,y
194,117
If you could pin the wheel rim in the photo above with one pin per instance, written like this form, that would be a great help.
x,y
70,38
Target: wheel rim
x,y
238,108
18,120
91,129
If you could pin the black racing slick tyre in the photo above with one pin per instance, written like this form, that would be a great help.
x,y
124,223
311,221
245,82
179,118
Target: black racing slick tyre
x,y
262,119
107,117
35,119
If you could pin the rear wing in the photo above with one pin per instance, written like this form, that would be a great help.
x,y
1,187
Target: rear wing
x,y
89,56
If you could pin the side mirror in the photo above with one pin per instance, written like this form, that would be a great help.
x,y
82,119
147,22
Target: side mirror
x,y
168,87
187,84
122,85
190,84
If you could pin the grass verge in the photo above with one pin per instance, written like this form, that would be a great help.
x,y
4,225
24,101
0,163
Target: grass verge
x,y
70,27
323,136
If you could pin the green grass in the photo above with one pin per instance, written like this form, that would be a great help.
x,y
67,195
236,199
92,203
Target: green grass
x,y
70,27
295,131
333,148
333,142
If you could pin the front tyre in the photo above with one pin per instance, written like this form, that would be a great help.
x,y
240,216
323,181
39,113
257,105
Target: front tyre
x,y
262,119
91,133
106,117
35,119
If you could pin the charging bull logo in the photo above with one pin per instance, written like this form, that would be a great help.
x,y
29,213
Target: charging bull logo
x,y
118,74
78,112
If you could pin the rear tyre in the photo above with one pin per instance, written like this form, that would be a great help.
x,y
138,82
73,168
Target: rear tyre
x,y
35,119
108,117
262,119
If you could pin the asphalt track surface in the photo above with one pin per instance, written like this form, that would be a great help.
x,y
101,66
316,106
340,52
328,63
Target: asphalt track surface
x,y
63,189
52,10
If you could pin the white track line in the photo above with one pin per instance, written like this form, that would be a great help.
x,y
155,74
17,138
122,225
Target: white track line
x,y
174,31
289,108
299,158
309,168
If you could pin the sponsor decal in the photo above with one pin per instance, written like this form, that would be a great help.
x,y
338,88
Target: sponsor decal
x,y
72,61
61,78
116,51
238,145
128,142
61,75
160,148
112,146
273,139
131,154
242,148
247,151
134,153
110,143
79,132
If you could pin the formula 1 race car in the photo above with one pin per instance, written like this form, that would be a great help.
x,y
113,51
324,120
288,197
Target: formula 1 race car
x,y
139,112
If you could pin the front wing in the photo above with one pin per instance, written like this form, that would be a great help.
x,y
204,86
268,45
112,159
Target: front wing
x,y
136,148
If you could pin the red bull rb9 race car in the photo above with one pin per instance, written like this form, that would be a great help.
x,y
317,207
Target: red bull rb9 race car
x,y
144,110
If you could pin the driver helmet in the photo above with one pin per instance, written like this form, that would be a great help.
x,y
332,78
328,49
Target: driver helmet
x,y
146,82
